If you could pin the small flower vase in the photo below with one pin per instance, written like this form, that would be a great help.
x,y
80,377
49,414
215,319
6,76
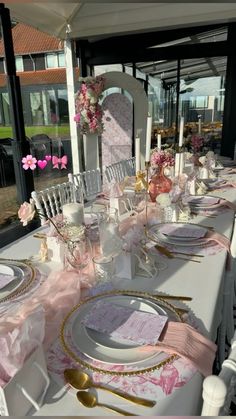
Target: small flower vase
x,y
159,183
196,161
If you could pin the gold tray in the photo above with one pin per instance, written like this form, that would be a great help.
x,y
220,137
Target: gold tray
x,y
86,364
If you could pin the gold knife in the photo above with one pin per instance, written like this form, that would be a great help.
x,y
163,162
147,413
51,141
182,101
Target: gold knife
x,y
172,297
170,255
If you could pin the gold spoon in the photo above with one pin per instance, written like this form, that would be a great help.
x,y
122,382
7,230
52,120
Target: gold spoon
x,y
82,381
90,400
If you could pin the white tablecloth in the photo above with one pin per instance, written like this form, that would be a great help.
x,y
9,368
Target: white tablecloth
x,y
204,282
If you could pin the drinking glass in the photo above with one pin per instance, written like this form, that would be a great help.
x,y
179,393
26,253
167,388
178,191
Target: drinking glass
x,y
103,268
78,253
138,201
110,240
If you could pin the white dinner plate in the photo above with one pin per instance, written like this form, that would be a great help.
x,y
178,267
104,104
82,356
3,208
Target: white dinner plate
x,y
110,354
15,283
155,234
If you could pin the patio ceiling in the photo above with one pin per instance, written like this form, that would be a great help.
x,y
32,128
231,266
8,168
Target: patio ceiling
x,y
101,19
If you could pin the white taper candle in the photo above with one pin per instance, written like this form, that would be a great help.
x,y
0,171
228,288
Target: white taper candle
x,y
159,141
181,131
199,125
137,154
148,138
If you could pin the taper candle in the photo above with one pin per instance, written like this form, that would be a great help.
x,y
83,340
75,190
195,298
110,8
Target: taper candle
x,y
148,138
199,124
181,131
137,154
159,142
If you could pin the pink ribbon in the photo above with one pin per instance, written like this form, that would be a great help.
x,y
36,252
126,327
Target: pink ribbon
x,y
57,160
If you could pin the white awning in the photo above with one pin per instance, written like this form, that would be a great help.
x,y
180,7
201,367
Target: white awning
x,y
99,19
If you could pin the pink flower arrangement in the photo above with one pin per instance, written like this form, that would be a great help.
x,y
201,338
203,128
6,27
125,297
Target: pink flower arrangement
x,y
197,141
162,158
88,111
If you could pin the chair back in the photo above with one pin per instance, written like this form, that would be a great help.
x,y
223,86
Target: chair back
x,y
118,171
219,391
90,181
49,201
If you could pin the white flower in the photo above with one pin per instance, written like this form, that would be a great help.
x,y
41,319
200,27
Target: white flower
x,y
163,200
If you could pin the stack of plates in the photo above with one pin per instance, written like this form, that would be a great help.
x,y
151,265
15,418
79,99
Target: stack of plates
x,y
100,351
18,278
202,202
179,234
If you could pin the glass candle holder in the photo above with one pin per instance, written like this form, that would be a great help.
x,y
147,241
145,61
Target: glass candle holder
x,y
103,268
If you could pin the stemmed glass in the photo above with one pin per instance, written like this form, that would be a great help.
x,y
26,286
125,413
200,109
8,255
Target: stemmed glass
x,y
78,253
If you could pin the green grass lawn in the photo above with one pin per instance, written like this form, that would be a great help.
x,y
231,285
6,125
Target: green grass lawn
x,y
62,131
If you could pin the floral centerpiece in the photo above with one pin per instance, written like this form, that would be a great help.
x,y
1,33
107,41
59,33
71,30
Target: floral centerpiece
x,y
162,158
159,183
59,235
88,111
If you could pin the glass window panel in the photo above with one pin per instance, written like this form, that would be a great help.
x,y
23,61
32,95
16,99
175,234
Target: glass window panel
x,y
19,64
61,59
51,61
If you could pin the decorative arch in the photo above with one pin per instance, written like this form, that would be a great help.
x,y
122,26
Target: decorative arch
x,y
140,101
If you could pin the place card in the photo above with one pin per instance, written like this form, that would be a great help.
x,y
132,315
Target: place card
x,y
125,323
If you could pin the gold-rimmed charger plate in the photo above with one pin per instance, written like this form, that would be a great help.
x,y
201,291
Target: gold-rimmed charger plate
x,y
30,275
102,367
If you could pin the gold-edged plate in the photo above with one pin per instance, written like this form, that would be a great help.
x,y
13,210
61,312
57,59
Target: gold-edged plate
x,y
150,364
154,233
28,273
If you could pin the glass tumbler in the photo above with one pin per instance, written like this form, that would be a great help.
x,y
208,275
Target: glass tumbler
x,y
103,268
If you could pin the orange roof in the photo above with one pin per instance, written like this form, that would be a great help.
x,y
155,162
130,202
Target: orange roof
x,y
29,78
28,40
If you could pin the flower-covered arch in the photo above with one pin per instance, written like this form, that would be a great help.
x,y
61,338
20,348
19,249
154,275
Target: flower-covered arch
x,y
135,89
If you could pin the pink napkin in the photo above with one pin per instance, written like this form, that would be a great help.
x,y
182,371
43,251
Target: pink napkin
x,y
183,340
182,231
202,200
125,323
218,238
5,280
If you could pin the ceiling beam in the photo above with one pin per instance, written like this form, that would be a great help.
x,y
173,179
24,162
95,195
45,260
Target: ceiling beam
x,y
166,53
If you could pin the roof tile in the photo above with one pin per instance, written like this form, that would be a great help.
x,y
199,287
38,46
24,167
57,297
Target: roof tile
x,y
27,39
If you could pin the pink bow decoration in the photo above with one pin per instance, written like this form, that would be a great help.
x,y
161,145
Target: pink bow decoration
x,y
57,160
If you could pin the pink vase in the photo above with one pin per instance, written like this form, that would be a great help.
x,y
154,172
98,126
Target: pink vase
x,y
159,183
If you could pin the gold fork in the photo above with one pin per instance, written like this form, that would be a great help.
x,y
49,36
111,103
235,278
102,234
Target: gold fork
x,y
170,255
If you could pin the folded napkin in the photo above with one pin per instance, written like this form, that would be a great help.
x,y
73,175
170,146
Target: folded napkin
x,y
125,323
222,240
201,200
5,280
187,231
183,340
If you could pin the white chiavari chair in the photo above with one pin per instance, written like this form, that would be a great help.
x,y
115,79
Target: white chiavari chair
x,y
50,200
90,181
118,171
219,391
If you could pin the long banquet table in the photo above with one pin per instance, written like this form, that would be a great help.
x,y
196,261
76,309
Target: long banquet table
x,y
203,282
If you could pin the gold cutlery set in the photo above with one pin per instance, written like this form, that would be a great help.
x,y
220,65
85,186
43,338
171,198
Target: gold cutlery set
x,y
81,381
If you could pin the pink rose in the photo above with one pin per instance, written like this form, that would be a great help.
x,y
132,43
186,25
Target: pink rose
x,y
26,212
